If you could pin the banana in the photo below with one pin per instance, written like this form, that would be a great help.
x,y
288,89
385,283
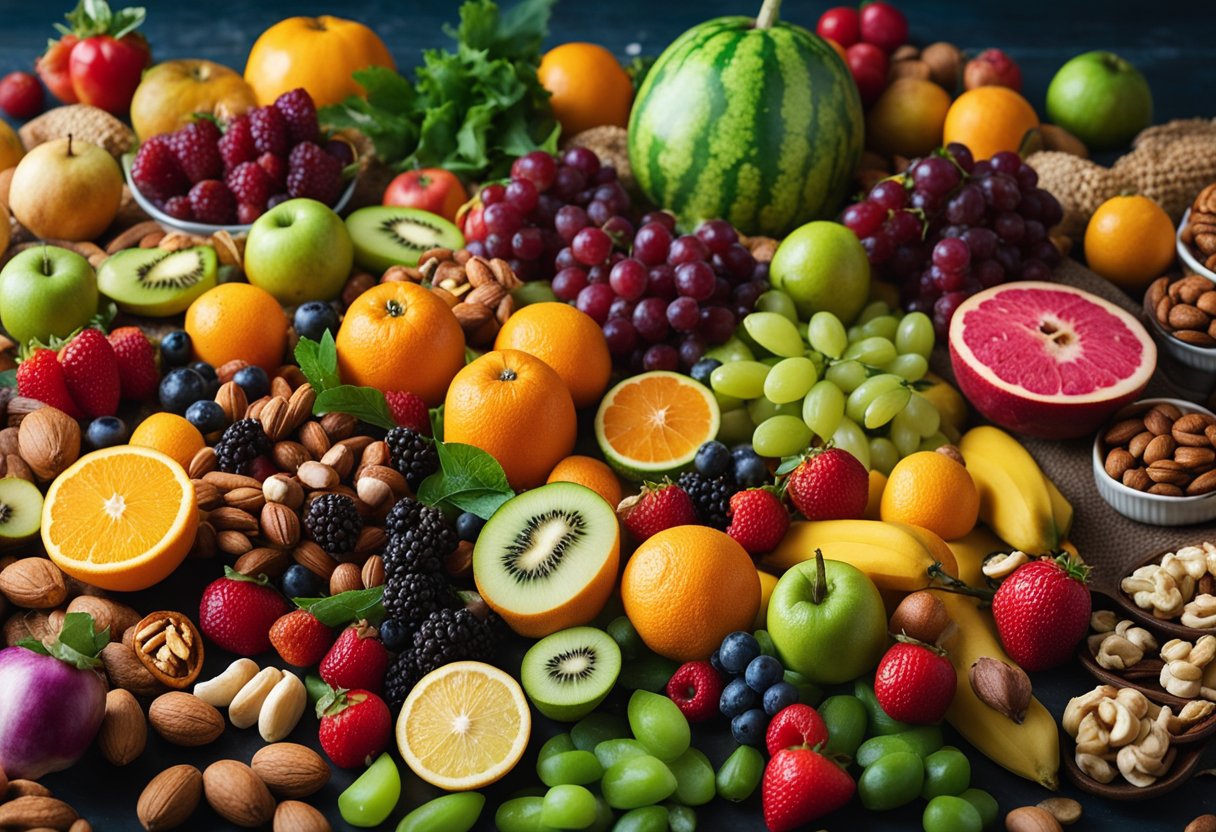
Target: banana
x,y
1014,498
970,551
1061,509
894,555
1031,749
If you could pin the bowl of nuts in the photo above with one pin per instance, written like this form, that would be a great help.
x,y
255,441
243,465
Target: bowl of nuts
x,y
1182,316
1156,463
1196,241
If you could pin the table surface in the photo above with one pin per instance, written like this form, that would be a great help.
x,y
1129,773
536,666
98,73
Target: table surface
x,y
1169,41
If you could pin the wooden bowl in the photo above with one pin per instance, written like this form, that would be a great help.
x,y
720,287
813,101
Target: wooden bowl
x,y
1185,765
1122,603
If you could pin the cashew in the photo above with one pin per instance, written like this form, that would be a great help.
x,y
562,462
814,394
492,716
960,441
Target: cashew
x,y
1117,653
1174,678
1175,650
1191,712
1096,767
1080,706
1200,613
283,708
1141,580
1103,621
247,704
1193,559
1203,652
1135,702
1138,636
221,690
1092,736
1122,727
1004,565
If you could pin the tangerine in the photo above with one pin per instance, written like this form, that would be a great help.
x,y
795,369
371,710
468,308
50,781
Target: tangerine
x,y
989,120
590,472
569,341
907,118
933,491
587,87
237,320
170,434
1130,241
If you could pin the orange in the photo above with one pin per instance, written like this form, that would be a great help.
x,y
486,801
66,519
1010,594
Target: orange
x,y
931,490
399,336
121,518
237,320
590,472
1130,242
686,588
170,434
878,483
907,118
568,340
515,408
587,86
989,120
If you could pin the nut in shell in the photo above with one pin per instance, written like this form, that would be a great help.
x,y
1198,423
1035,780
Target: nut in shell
x,y
33,583
1001,686
124,730
290,770
184,719
237,794
49,440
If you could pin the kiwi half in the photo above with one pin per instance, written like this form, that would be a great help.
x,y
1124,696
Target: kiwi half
x,y
157,283
20,510
566,675
386,235
548,558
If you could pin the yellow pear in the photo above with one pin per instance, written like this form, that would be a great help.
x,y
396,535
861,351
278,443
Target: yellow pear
x,y
11,149
66,190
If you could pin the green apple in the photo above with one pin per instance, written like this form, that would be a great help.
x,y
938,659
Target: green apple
x,y
299,251
46,291
823,267
827,621
1101,99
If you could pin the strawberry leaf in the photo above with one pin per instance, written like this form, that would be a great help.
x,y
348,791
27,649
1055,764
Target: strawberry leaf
x,y
232,575
345,607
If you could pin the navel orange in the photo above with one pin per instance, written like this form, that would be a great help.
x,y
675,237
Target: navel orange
x,y
931,490
587,87
237,320
989,120
170,434
568,340
1130,242
590,472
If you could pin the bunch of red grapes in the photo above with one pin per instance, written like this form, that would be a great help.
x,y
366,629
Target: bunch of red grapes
x,y
661,298
950,226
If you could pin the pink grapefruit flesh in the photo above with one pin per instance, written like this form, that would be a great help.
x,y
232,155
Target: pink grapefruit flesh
x,y
1048,360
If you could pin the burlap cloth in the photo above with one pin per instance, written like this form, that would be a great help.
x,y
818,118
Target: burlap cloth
x,y
1107,540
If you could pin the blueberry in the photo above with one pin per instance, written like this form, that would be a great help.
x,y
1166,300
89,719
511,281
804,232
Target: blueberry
x,y
395,634
208,373
736,698
777,697
206,415
712,459
751,472
743,449
176,348
468,526
105,432
715,661
762,673
180,388
312,319
749,727
254,381
300,582
703,368
737,650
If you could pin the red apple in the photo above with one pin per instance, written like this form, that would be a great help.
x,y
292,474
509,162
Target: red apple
x,y
431,189
20,95
992,68
884,26
868,63
841,24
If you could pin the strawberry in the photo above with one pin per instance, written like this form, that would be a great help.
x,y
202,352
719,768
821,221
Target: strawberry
x,y
758,520
409,411
656,508
41,377
90,368
696,688
300,638
136,363
356,660
801,785
829,485
914,682
355,726
1042,611
237,612
795,726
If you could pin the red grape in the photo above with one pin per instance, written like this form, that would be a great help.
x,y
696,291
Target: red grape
x,y
599,212
620,335
717,324
502,218
1006,162
864,218
692,348
661,357
686,249
989,273
717,235
952,254
961,154
621,308
538,167
493,194
620,230
651,242
1001,191
595,300
966,207
878,248
568,282
683,314
650,319
522,196
591,246
569,220
905,227
527,243
1035,270
661,281
1010,227
936,176
737,262
695,279
628,279
889,195
583,160
981,242
568,182
662,218
498,245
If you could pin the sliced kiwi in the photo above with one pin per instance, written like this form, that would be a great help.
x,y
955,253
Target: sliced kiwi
x,y
154,282
386,235
20,510
566,675
548,558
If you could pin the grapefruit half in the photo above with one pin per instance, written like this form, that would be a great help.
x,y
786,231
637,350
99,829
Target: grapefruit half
x,y
1048,360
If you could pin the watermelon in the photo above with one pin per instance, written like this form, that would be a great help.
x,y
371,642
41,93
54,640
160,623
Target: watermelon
x,y
757,122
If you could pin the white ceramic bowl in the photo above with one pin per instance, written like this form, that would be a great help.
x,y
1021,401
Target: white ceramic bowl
x,y
1188,256
1199,358
1154,509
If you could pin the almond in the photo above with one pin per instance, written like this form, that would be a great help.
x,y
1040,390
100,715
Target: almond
x,y
1118,461
372,573
317,475
371,539
1202,484
472,315
346,576
1159,421
356,444
263,561
291,770
274,418
254,411
170,798
289,455
314,439
207,495
232,542
35,583
227,518
299,406
315,559
341,458
376,453
184,719
280,388
106,613
389,476
1001,686
24,788
1121,432
237,794
126,671
49,440
1158,448
124,731
204,542
339,426
203,462
488,294
375,492
34,811
225,482
295,816
280,525
228,369
246,499
231,399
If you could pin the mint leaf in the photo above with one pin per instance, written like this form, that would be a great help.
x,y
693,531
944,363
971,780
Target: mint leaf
x,y
346,607
468,479
318,361
365,403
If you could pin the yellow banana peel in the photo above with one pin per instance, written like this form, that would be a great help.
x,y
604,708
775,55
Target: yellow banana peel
x,y
1015,500
970,551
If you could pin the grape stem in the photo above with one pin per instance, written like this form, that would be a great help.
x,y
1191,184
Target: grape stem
x,y
768,14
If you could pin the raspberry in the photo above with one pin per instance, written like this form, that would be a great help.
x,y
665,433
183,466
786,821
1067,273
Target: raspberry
x,y
212,202
179,208
156,170
313,173
409,410
276,169
269,130
197,149
237,145
250,184
246,213
298,110
695,688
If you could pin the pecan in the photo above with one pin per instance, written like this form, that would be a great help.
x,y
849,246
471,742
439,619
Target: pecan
x,y
169,645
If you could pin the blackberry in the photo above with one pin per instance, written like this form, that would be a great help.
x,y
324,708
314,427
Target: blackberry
x,y
710,497
412,454
411,596
419,536
334,523
242,442
445,636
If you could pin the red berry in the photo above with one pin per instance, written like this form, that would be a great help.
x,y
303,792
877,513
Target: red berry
x,y
156,171
696,688
795,726
269,130
178,207
314,174
758,520
276,169
20,95
212,202
236,145
237,612
656,508
197,149
1042,611
356,660
355,727
247,213
300,638
829,485
300,113
41,377
800,786
884,26
409,411
90,368
842,24
250,184
136,363
914,683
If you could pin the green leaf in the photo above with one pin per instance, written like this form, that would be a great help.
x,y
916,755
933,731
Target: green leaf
x,y
77,644
436,414
366,403
8,378
468,479
346,607
639,68
318,361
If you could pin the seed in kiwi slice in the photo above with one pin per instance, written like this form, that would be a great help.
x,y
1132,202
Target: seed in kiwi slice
x,y
566,675
388,235
157,283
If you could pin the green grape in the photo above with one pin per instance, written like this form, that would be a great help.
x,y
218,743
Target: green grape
x,y
790,380
808,692
740,774
884,408
373,796
823,408
850,437
873,309
761,409
775,300
775,332
847,375
570,767
557,744
694,778
891,781
923,416
854,334
658,724
771,360
874,350
681,818
736,426
905,439
880,721
875,748
803,332
568,807
742,379
611,752
883,326
868,391
827,334
947,771
924,739
767,647
845,718
726,402
883,454
648,672
932,443
909,366
596,727
781,436
522,814
604,816
637,781
985,804
534,291
643,819
733,350
915,334
450,813
627,639
951,814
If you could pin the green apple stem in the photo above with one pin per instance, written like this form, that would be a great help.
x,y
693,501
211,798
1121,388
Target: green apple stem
x,y
819,585
768,14
47,269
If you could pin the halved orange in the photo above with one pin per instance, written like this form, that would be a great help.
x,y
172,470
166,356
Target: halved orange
x,y
464,726
121,518
652,424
